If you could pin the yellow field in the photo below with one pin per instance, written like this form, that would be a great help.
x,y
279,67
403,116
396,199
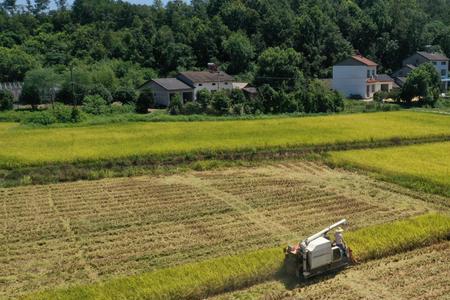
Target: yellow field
x,y
425,166
88,231
26,146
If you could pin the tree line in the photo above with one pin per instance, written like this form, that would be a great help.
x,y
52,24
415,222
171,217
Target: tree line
x,y
286,44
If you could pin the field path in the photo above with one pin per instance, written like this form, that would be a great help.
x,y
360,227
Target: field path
x,y
238,204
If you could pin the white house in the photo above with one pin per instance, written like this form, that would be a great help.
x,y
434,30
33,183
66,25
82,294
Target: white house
x,y
164,89
357,76
440,61
188,84
211,80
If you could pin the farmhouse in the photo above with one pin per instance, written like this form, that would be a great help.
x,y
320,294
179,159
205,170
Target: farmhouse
x,y
164,89
440,62
14,87
357,76
188,84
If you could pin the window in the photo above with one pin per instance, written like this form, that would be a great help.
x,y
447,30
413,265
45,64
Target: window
x,y
373,72
200,84
368,73
443,73
214,83
226,83
444,63
373,88
434,63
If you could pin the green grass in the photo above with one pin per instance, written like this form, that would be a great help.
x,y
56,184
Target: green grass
x,y
421,167
34,146
203,279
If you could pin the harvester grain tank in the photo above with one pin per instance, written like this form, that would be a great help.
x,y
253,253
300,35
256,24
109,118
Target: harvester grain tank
x,y
317,254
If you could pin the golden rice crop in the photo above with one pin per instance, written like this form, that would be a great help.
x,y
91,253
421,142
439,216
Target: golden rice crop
x,y
33,146
424,167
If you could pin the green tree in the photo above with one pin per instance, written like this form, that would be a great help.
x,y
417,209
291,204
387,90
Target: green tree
x,y
144,102
43,81
30,96
176,105
95,104
424,83
279,68
125,95
14,63
239,51
6,100
221,103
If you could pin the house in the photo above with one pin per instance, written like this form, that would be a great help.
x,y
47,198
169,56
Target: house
x,y
357,76
164,89
188,84
14,87
440,61
211,80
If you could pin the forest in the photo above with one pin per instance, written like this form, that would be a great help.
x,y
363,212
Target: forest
x,y
112,47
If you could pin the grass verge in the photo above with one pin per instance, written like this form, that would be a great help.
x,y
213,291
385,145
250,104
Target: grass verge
x,y
207,278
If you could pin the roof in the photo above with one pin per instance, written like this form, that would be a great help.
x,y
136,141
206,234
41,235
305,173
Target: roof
x,y
239,85
384,77
207,76
250,90
171,84
357,60
433,56
10,85
412,67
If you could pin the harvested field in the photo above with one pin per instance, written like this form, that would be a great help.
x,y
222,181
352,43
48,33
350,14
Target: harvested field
x,y
87,231
419,274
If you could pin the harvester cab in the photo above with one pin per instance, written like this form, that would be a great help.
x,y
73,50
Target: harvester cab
x,y
318,254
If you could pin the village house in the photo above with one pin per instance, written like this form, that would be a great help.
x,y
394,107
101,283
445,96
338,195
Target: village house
x,y
357,77
188,84
14,87
440,61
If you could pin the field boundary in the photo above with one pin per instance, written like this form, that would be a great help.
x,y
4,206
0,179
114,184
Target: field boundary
x,y
240,271
149,164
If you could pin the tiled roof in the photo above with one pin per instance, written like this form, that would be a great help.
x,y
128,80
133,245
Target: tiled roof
x,y
206,76
172,84
383,77
433,56
364,60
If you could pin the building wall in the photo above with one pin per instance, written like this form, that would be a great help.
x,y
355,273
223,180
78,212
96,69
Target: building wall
x,y
210,86
352,80
417,60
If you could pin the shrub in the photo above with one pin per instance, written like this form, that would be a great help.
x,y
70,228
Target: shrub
x,y
144,102
95,105
221,103
41,118
125,95
192,108
355,97
6,100
204,98
102,91
380,96
62,113
176,105
30,95
76,115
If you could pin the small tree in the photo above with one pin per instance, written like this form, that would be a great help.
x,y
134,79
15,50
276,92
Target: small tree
x,y
221,103
125,95
204,98
102,91
30,95
424,83
6,100
144,102
175,105
94,104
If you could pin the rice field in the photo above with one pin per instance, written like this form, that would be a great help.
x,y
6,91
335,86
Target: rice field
x,y
424,167
420,274
85,232
22,146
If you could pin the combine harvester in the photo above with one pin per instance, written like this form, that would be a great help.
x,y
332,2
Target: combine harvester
x,y
318,254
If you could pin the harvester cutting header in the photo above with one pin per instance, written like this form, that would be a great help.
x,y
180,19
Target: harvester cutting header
x,y
318,254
